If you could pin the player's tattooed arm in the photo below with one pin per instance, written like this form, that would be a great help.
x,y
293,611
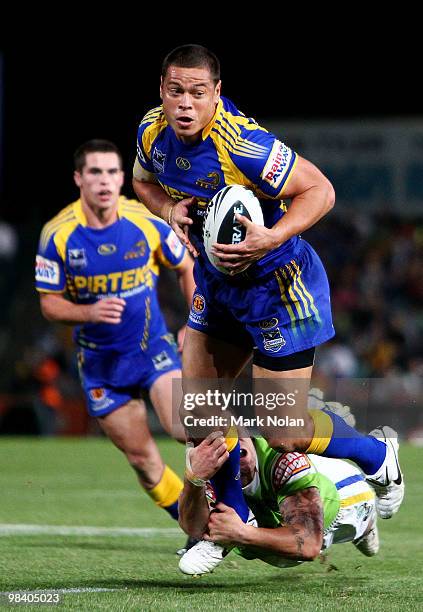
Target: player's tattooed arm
x,y
299,536
302,516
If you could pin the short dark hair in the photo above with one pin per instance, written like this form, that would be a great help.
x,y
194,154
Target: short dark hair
x,y
193,56
94,146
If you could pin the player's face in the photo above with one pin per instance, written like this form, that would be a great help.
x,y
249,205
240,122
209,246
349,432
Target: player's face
x,y
189,100
100,181
247,461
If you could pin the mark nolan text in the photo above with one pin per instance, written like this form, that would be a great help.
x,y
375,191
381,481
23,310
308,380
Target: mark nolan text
x,y
240,421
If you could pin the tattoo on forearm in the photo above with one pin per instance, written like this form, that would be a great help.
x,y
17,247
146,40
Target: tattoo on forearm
x,y
303,513
300,544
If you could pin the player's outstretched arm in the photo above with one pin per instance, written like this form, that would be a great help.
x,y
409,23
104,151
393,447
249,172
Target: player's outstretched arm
x,y
203,462
299,537
57,308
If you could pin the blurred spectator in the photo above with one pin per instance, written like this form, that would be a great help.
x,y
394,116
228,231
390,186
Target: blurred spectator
x,y
8,242
8,252
377,293
44,396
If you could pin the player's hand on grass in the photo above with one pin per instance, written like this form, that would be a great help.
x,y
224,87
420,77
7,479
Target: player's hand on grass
x,y
258,241
208,457
108,310
180,222
225,526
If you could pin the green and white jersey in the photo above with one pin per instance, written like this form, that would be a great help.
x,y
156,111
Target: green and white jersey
x,y
278,475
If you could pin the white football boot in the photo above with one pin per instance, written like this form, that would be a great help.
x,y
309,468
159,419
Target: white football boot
x,y
202,558
188,544
369,543
387,482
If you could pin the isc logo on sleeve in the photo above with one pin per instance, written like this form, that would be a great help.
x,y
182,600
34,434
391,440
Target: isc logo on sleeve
x,y
47,271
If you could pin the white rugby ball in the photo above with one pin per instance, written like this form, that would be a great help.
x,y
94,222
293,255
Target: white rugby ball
x,y
220,224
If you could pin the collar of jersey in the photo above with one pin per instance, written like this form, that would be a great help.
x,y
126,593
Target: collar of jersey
x,y
208,128
82,219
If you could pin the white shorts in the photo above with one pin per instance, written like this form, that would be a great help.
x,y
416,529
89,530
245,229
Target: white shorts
x,y
358,510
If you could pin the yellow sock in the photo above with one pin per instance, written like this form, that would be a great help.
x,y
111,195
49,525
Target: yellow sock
x,y
231,438
323,430
167,490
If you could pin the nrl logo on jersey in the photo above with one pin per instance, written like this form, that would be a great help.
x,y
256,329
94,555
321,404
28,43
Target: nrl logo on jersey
x,y
158,160
162,361
77,258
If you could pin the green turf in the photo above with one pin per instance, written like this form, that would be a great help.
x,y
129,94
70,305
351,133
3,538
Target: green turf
x,y
87,482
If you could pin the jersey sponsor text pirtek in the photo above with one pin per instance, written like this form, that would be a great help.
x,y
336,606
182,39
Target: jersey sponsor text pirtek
x,y
120,260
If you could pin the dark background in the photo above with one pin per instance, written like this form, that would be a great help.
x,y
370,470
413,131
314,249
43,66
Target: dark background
x,y
60,90
59,93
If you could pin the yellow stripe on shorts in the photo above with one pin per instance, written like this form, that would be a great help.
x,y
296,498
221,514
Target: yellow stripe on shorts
x,y
355,499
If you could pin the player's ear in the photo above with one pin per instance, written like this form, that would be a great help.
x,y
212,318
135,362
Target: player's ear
x,y
217,90
161,88
77,178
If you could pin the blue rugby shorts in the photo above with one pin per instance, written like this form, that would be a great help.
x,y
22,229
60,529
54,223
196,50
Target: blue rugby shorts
x,y
110,379
285,312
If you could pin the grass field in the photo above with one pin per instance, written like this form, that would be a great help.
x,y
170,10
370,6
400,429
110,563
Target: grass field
x,y
68,482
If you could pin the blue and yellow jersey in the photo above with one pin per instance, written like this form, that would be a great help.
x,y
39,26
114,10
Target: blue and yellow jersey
x,y
233,150
121,260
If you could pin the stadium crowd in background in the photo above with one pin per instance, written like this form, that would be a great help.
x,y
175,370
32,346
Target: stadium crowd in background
x,y
379,322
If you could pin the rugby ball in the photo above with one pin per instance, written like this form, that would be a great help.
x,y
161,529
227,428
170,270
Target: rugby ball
x,y
220,224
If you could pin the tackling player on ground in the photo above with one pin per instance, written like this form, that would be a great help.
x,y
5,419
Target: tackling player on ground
x,y
279,308
97,268
301,505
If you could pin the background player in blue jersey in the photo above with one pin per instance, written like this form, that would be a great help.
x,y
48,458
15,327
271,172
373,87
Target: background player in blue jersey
x,y
97,267
193,145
